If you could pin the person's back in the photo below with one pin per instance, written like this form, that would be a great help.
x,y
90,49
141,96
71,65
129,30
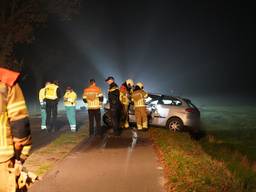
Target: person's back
x,y
93,94
52,96
51,91
138,97
93,97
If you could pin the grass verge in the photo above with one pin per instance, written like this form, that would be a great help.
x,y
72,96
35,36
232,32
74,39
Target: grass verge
x,y
42,160
189,168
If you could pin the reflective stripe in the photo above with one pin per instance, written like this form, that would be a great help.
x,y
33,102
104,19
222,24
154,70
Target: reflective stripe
x,y
13,111
93,104
26,150
3,128
15,105
6,150
145,124
112,89
92,94
139,103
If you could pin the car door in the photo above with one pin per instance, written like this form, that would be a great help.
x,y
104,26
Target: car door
x,y
161,111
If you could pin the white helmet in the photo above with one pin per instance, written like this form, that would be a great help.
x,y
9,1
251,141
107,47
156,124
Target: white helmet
x,y
129,82
140,85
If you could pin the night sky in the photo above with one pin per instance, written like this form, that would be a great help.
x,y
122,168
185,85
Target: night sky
x,y
190,48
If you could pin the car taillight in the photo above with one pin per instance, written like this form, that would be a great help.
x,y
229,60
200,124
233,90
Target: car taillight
x,y
190,110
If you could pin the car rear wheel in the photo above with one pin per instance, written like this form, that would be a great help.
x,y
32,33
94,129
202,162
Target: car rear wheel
x,y
174,124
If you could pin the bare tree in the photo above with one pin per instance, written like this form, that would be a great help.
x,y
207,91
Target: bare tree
x,y
20,18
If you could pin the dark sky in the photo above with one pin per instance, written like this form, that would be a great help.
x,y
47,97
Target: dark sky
x,y
176,47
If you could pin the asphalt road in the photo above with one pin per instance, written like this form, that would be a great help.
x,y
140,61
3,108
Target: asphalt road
x,y
111,164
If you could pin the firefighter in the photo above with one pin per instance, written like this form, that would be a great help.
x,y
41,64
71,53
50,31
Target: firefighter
x,y
43,106
138,97
52,96
125,95
115,104
70,105
93,97
15,134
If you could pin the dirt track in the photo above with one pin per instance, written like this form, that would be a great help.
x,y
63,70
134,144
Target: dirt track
x,y
109,164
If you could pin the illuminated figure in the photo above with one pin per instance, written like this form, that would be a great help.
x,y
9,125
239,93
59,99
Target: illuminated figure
x,y
70,105
43,106
125,98
52,96
93,97
115,105
138,97
15,137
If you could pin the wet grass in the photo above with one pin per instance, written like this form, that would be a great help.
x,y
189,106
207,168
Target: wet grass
x,y
223,160
188,167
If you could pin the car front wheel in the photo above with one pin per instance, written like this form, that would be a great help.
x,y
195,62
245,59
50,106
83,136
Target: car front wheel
x,y
174,124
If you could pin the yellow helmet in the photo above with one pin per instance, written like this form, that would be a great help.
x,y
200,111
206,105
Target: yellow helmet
x,y
140,85
129,82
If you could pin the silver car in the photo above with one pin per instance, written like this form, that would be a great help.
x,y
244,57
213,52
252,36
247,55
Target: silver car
x,y
171,112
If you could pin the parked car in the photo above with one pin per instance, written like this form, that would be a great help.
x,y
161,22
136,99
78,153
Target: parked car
x,y
171,112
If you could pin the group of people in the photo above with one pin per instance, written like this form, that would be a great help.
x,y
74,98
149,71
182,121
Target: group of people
x,y
15,133
119,100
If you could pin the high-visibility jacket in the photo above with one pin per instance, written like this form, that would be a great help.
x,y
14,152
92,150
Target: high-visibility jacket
x,y
139,97
70,98
92,95
42,95
124,95
51,91
14,124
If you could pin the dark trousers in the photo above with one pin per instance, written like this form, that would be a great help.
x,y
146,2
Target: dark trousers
x,y
51,114
94,114
115,114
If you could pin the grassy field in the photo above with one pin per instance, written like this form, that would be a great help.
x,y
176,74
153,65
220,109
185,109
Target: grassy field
x,y
223,160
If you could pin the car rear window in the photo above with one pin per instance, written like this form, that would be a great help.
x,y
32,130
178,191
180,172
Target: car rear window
x,y
190,104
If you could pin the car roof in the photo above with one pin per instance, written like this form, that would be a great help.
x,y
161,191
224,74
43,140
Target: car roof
x,y
164,95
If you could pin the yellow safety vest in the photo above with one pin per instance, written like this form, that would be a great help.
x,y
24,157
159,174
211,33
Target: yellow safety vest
x,y
51,91
70,98
124,95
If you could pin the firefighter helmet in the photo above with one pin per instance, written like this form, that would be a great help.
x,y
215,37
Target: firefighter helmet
x,y
140,85
129,82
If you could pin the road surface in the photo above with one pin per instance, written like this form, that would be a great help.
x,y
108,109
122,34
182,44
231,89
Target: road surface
x,y
111,164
